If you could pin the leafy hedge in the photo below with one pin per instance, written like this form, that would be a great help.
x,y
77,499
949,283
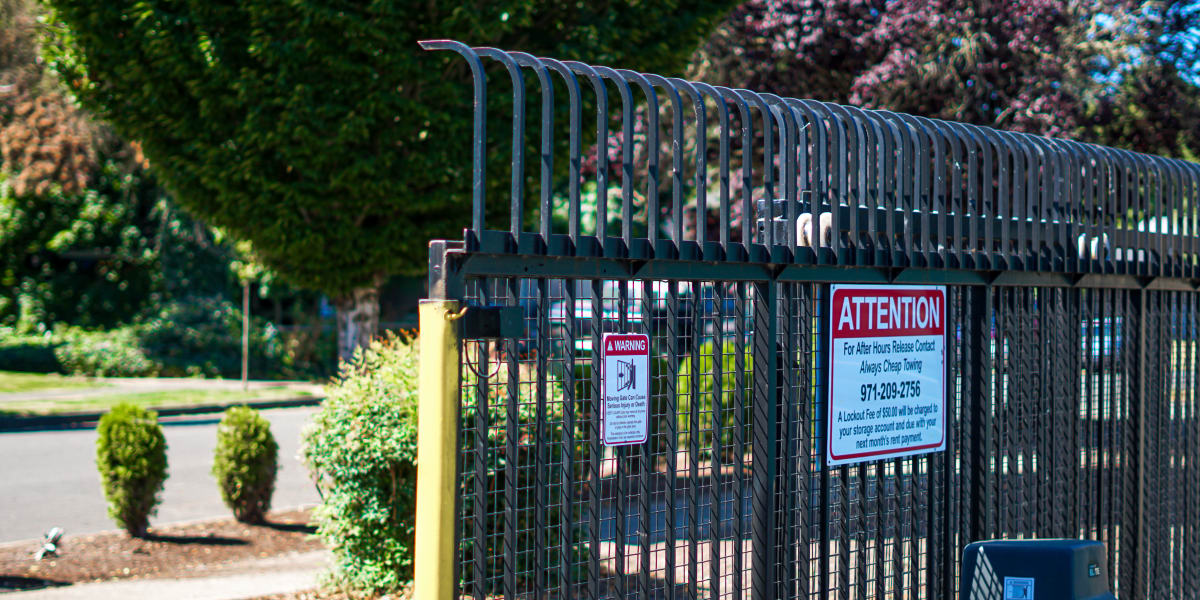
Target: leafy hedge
x,y
362,450
201,337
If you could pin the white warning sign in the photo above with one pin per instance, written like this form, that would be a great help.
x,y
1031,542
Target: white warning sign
x,y
887,372
625,381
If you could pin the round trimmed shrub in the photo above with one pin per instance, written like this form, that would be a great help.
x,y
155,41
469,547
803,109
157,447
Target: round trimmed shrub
x,y
131,454
362,450
245,463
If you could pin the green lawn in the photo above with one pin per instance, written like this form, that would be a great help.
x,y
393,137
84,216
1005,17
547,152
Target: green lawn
x,y
28,382
148,399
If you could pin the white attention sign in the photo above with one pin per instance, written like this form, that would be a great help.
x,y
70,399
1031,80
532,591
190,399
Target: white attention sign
x,y
625,381
887,372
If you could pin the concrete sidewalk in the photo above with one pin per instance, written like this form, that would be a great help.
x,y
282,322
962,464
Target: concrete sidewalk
x,y
249,579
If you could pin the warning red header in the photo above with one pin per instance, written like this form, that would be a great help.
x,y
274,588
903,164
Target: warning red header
x,y
888,312
624,344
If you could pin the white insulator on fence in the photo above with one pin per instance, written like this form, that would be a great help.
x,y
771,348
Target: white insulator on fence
x,y
1094,247
804,230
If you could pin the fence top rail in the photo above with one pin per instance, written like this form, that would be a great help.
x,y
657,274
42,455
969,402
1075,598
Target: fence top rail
x,y
691,171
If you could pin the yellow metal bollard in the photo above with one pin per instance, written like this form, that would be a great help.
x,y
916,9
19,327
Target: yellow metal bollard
x,y
437,422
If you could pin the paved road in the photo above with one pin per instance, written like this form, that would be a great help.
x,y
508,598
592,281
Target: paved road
x,y
49,478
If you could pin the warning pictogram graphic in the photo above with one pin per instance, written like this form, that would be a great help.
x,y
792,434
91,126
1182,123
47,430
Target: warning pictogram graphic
x,y
626,376
625,381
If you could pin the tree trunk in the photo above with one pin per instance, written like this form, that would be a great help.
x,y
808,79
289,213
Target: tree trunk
x,y
357,318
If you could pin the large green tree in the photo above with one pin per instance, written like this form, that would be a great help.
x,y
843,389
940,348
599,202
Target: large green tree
x,y
317,129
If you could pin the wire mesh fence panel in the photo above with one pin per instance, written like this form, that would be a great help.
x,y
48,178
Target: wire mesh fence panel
x,y
717,222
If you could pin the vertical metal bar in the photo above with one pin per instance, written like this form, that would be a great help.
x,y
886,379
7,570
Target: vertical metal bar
x,y
677,145
511,462
788,171
879,152
977,335
479,125
790,454
542,484
547,144
1192,541
627,125
566,559
482,417
575,141
619,459
882,530
601,91
1142,548
645,457
805,416
1130,487
652,207
766,304
821,397
435,541
693,479
853,179
739,441
517,211
701,165
1010,349
672,430
595,450
714,468
747,121
950,488
723,172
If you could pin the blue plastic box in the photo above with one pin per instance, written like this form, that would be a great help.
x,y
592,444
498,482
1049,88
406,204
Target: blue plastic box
x,y
1035,570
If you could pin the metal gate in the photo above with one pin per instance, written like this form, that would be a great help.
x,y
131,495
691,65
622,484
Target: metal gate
x,y
714,220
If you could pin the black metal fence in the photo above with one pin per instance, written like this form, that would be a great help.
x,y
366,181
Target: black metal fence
x,y
1071,341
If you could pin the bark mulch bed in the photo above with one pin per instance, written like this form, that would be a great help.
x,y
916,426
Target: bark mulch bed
x,y
182,550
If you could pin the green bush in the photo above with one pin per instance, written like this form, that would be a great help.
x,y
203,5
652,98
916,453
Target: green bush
x,y
113,353
131,454
199,337
709,405
203,336
32,353
362,450
245,463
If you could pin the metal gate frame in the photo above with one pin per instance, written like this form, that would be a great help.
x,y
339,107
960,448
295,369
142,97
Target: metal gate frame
x,y
1033,234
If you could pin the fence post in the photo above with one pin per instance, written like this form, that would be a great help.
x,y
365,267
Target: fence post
x,y
437,433
978,339
763,446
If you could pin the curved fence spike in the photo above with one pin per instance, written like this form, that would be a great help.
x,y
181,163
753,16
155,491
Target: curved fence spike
x,y
838,185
